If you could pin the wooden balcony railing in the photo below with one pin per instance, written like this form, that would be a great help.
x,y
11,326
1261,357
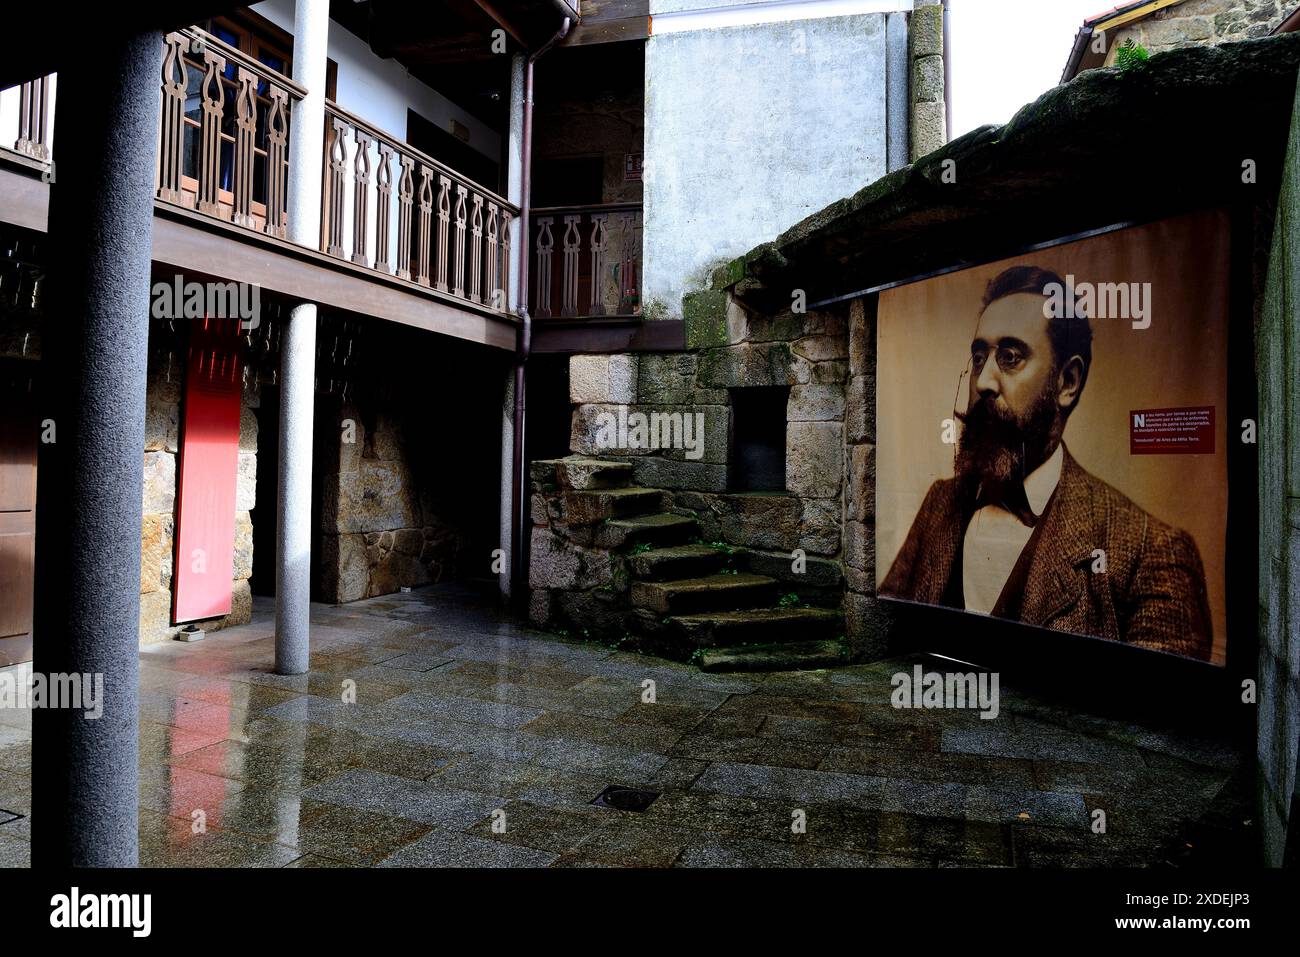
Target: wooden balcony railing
x,y
34,119
599,252
223,144
430,225
223,150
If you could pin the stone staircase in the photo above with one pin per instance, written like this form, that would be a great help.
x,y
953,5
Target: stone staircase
x,y
687,599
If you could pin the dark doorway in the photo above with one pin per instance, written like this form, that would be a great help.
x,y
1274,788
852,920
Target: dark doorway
x,y
548,413
452,151
758,439
574,181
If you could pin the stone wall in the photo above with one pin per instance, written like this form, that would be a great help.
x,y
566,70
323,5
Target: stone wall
x,y
380,527
1278,344
576,578
929,112
1195,22
161,470
866,620
806,353
591,121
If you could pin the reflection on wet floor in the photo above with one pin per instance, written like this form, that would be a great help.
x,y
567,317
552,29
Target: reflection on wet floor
x,y
433,730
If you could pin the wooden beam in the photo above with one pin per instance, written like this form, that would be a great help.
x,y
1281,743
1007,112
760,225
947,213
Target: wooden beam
x,y
609,31
608,335
24,199
185,241
500,18
611,21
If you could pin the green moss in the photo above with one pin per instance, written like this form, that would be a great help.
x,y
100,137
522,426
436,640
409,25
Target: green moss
x,y
704,314
654,310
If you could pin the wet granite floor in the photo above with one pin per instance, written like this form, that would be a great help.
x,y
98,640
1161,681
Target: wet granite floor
x,y
475,741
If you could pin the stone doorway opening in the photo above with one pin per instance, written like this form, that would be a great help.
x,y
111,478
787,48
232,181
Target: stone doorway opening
x,y
758,431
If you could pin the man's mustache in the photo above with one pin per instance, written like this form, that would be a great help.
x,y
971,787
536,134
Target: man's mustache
x,y
983,410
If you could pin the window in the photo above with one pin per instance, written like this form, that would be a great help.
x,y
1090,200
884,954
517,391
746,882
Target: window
x,y
758,439
270,46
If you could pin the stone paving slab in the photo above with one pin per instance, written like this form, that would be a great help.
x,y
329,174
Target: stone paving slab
x,y
474,740
446,849
423,801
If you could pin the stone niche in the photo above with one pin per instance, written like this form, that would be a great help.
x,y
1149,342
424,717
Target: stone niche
x,y
158,509
806,354
380,529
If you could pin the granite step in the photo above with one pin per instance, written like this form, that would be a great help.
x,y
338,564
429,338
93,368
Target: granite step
x,y
721,592
802,656
678,561
590,507
758,626
660,529
581,473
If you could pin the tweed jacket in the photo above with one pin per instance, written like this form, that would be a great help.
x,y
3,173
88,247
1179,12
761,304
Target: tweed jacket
x,y
1152,593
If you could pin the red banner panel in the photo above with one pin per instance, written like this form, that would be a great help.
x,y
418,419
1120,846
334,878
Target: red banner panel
x,y
209,465
1185,431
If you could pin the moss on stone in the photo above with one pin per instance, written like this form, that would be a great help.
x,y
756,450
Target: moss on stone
x,y
705,316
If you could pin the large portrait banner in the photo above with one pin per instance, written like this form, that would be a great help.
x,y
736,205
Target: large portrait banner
x,y
1052,434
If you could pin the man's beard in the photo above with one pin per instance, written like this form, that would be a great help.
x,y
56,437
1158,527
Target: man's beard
x,y
998,446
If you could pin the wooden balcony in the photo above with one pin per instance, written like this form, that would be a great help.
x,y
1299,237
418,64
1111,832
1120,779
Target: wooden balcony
x,y
431,226
389,212
586,261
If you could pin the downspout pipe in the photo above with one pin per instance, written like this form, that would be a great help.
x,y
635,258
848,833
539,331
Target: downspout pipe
x,y
947,73
518,500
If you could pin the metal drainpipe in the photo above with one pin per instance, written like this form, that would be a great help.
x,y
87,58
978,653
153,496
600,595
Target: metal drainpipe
x,y
947,73
518,500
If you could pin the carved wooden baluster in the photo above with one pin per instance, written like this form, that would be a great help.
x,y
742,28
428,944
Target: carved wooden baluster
x,y
405,199
476,251
338,176
504,276
171,132
245,128
444,219
384,192
34,118
627,277
569,280
277,171
210,147
545,246
490,286
599,242
472,238
361,198
426,213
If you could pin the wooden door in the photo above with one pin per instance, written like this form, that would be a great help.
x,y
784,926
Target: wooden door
x,y
18,438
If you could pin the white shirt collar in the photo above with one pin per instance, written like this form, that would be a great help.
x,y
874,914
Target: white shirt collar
x,y
1042,481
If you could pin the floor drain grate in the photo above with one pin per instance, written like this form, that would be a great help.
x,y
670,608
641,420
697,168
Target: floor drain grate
x,y
625,799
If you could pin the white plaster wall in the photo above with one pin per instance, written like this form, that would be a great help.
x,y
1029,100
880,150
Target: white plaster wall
x,y
380,91
748,130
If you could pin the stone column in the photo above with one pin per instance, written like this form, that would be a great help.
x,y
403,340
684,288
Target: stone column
x,y
507,476
90,483
515,194
897,95
929,110
298,348
515,166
